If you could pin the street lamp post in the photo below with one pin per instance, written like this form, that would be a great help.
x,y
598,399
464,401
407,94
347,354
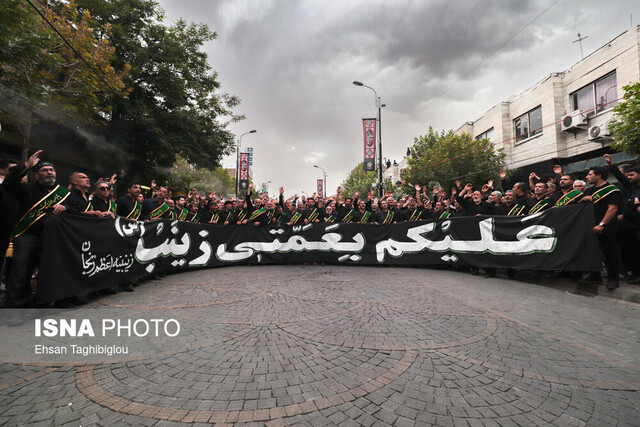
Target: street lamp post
x,y
379,105
324,185
238,162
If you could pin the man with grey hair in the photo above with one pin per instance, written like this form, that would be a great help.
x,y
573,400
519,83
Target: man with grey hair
x,y
35,200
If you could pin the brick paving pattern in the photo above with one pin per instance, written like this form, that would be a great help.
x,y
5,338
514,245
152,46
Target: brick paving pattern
x,y
322,345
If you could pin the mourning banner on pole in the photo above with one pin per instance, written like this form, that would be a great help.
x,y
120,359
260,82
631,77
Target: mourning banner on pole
x,y
83,253
369,128
244,171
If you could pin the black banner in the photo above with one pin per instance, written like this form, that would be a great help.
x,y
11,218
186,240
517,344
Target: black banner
x,y
83,253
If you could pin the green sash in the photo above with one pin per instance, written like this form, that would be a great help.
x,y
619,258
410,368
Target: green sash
x,y
568,198
183,214
280,219
270,215
229,216
365,217
242,214
89,207
603,192
174,215
215,217
388,218
540,205
516,210
113,207
159,211
37,211
444,215
314,215
332,218
415,215
137,209
195,218
257,213
348,216
295,218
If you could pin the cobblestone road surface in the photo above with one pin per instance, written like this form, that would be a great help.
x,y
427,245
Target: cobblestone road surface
x,y
321,345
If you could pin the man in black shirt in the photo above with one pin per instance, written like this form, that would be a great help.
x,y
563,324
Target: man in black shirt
x,y
101,201
606,198
41,196
78,200
128,205
630,218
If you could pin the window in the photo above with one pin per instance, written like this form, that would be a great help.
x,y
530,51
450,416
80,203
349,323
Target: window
x,y
597,96
529,124
488,135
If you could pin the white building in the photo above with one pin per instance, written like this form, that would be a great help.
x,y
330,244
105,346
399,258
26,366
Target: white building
x,y
564,116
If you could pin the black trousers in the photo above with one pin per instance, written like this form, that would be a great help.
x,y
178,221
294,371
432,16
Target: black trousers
x,y
630,242
608,245
26,255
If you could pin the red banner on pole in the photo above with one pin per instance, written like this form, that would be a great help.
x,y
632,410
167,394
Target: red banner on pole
x,y
369,127
320,191
244,171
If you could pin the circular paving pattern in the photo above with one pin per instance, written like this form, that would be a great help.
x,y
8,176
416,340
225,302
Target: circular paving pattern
x,y
322,345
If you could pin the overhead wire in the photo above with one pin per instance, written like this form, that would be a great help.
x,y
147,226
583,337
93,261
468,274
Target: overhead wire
x,y
431,101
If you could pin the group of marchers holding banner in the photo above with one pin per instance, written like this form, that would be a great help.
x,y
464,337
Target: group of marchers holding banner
x,y
26,205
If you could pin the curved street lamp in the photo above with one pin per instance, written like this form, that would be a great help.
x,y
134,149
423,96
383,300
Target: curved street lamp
x,y
238,161
379,105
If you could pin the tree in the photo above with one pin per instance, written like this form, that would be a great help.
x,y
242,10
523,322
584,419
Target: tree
x,y
359,180
444,157
184,176
625,124
175,107
40,71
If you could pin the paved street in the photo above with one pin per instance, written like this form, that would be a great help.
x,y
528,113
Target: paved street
x,y
323,345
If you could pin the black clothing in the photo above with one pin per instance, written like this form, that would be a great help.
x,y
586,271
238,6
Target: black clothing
x,y
149,205
406,214
358,217
527,201
25,195
536,201
307,212
208,215
607,240
26,247
342,212
100,205
125,206
600,208
76,202
472,209
380,216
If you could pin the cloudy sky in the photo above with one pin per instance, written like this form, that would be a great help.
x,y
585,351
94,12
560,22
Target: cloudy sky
x,y
434,63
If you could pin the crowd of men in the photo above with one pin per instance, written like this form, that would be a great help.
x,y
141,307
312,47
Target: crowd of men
x,y
24,204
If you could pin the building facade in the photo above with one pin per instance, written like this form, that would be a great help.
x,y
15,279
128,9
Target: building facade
x,y
563,118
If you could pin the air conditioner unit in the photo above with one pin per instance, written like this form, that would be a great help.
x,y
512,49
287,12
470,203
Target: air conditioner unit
x,y
576,120
599,132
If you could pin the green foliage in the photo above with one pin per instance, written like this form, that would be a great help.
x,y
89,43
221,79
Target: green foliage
x,y
40,72
625,124
358,180
175,107
444,157
184,176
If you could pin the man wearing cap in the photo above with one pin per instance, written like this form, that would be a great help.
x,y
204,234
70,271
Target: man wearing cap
x,y
36,200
